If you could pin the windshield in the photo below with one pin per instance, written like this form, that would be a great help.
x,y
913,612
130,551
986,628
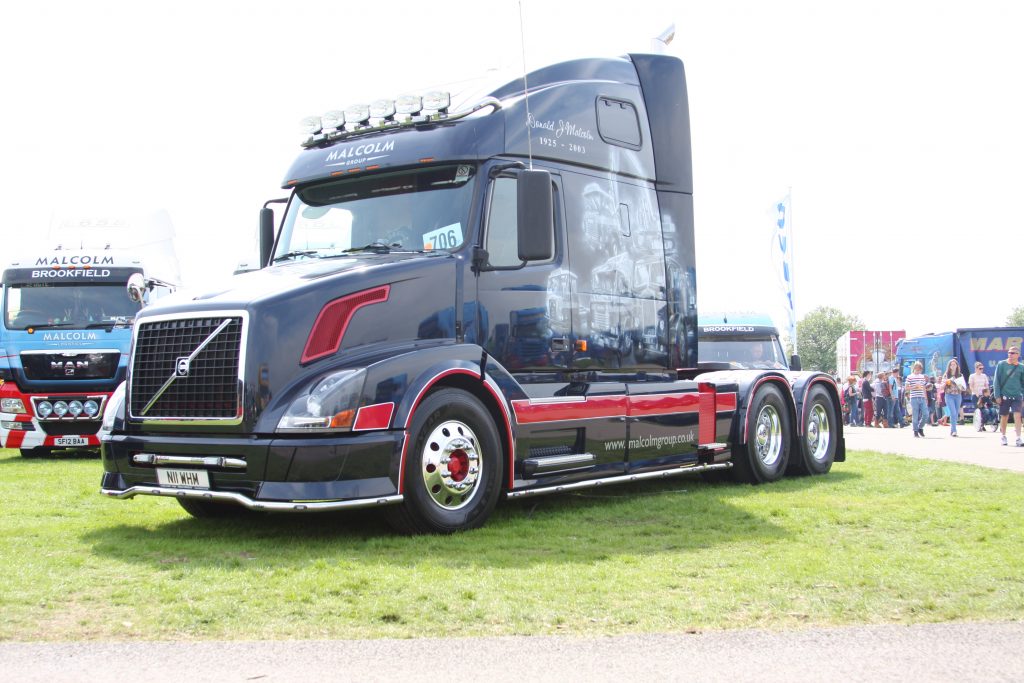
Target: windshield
x,y
69,305
420,210
742,352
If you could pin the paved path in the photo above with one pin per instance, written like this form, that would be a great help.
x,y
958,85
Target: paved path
x,y
920,653
970,446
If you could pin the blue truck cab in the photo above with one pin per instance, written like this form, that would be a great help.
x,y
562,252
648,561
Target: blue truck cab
x,y
461,305
65,335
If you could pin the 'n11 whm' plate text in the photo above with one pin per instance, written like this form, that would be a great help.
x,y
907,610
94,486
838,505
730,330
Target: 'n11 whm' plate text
x,y
183,479
71,441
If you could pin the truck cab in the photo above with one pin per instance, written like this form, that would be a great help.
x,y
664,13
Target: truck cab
x,y
65,333
743,342
459,305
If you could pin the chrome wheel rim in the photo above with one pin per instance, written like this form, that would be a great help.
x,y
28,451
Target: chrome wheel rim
x,y
451,465
768,435
819,433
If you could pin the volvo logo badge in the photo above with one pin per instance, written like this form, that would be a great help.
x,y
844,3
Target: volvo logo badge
x,y
182,366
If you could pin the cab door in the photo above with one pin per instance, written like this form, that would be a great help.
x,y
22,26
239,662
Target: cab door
x,y
525,322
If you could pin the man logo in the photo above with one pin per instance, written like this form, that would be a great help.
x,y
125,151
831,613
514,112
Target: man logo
x,y
182,367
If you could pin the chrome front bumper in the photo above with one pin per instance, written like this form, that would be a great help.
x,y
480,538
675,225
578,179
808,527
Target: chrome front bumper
x,y
250,503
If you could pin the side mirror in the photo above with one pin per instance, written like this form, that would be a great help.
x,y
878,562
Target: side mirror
x,y
535,211
794,362
266,235
136,287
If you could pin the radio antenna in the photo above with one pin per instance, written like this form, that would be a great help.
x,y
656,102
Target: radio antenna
x,y
526,87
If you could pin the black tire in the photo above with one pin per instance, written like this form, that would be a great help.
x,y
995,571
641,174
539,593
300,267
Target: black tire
x,y
818,445
452,466
211,509
764,456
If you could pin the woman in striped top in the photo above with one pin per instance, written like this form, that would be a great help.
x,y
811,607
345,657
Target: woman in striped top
x,y
914,387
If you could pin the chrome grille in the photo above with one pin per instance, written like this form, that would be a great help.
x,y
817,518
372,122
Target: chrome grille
x,y
186,369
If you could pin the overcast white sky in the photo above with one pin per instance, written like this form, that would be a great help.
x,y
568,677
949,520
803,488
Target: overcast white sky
x,y
899,127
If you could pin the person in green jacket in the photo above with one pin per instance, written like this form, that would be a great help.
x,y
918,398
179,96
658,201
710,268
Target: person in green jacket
x,y
1008,389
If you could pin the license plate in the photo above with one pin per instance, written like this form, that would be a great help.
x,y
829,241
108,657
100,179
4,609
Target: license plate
x,y
183,479
71,441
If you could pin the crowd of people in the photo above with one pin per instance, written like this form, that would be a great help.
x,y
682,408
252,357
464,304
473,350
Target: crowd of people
x,y
885,399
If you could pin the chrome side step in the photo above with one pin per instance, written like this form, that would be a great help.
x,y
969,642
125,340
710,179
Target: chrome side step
x,y
621,479
252,504
552,464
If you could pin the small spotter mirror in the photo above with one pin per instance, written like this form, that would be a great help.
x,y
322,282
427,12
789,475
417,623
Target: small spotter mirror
x,y
136,287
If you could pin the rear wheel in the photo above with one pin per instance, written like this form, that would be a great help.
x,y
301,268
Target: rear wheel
x,y
764,456
818,445
452,468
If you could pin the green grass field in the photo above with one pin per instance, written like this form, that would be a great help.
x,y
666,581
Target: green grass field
x,y
880,539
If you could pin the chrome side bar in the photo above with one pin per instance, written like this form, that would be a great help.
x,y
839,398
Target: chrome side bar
x,y
198,460
621,479
247,502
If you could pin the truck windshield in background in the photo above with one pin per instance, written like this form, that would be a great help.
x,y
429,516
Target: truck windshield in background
x,y
743,352
68,305
422,210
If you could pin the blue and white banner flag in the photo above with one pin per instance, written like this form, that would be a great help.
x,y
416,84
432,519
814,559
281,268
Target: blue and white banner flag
x,y
782,257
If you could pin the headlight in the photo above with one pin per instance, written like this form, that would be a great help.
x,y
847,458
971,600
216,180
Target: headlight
x,y
91,408
113,407
44,409
329,405
12,405
60,408
75,408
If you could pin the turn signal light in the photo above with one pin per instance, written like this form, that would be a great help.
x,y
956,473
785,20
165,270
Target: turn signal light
x,y
343,419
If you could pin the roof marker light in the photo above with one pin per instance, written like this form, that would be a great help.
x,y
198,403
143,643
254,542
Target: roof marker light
x,y
357,115
437,101
409,105
333,119
311,125
382,109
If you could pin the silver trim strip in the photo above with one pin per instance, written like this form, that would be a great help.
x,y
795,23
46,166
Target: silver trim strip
x,y
68,352
623,479
245,501
202,461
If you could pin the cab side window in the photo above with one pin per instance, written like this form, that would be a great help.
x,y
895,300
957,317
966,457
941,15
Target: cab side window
x,y
501,243
501,238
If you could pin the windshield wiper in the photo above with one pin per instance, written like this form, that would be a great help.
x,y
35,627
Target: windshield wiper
x,y
378,246
296,253
51,326
120,321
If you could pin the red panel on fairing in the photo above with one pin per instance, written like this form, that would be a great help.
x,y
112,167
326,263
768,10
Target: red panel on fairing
x,y
329,328
377,416
707,420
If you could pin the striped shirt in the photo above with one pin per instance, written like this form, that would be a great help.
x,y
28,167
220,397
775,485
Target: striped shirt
x,y
915,385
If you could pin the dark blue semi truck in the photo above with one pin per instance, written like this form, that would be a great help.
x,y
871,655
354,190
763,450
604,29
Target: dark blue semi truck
x,y
461,305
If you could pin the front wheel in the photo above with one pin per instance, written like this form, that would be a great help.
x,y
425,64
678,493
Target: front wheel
x,y
764,456
818,445
452,467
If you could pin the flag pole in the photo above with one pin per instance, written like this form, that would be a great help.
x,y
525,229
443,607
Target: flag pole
x,y
792,271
